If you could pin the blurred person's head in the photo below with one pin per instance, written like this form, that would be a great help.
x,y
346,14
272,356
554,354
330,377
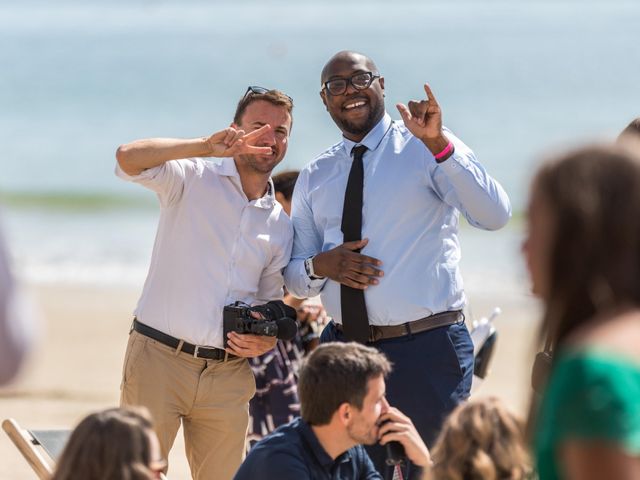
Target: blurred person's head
x,y
115,444
284,183
631,131
258,107
480,439
342,387
583,244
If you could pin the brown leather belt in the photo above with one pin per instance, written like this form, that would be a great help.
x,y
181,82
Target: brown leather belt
x,y
436,320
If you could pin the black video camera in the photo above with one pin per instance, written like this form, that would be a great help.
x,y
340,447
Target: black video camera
x,y
277,320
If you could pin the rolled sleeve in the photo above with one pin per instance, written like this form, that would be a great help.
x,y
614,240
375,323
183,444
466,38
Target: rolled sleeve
x,y
166,180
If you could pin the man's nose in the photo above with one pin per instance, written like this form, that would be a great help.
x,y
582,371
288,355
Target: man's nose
x,y
350,89
385,405
268,138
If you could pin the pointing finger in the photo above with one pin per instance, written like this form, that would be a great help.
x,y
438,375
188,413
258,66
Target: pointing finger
x,y
430,94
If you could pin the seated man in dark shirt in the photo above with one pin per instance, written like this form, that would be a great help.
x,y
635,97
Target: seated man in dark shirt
x,y
342,399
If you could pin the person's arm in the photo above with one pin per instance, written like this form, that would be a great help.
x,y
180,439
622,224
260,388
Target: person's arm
x,y
597,461
140,155
343,264
459,179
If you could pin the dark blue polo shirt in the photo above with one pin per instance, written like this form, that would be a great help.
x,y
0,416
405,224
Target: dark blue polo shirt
x,y
293,452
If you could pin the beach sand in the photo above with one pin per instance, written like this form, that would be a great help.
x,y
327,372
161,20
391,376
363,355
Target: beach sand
x,y
76,366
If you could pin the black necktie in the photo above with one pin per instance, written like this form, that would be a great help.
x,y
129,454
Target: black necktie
x,y
355,321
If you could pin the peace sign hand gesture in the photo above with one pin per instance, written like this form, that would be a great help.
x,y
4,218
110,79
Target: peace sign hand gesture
x,y
423,118
230,142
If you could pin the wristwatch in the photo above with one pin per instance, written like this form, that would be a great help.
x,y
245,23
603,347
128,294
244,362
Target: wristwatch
x,y
308,267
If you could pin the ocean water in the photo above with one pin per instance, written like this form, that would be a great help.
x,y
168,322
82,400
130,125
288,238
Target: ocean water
x,y
517,80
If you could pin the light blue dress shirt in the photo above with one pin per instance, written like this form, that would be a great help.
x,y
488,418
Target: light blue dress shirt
x,y
411,206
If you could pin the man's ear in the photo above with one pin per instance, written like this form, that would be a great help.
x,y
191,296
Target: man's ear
x,y
324,99
345,413
381,80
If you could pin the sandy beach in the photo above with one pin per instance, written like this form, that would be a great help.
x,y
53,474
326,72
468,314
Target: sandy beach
x,y
75,368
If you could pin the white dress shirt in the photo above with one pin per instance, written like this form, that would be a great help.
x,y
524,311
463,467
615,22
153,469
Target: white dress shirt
x,y
410,215
213,247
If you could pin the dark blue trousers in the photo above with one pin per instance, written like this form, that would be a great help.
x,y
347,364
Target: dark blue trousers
x,y
432,373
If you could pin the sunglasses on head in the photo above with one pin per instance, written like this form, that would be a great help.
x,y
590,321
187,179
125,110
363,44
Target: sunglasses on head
x,y
255,90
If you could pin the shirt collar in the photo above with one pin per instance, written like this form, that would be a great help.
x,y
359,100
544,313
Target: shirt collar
x,y
227,167
318,450
373,138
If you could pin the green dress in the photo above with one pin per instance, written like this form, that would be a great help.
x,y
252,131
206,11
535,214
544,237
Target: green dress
x,y
591,395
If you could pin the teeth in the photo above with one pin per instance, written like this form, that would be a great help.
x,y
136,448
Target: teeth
x,y
354,105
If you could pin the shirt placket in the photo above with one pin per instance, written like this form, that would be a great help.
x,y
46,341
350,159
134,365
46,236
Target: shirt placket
x,y
236,251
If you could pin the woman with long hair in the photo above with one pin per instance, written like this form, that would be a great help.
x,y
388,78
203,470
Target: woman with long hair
x,y
583,256
115,444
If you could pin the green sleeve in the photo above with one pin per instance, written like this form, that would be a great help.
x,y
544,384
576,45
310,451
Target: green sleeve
x,y
597,399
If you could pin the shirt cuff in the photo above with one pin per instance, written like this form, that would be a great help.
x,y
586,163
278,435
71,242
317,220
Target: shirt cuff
x,y
455,164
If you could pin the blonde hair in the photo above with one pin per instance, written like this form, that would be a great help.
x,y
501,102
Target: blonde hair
x,y
481,440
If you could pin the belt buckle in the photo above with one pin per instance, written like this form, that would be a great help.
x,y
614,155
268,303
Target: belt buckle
x,y
375,333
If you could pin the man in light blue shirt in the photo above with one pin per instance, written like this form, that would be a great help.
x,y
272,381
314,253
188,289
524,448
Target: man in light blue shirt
x,y
417,178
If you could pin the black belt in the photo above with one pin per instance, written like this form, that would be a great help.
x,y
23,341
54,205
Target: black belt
x,y
211,353
437,320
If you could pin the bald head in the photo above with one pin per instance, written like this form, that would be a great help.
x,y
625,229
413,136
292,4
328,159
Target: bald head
x,y
355,107
346,57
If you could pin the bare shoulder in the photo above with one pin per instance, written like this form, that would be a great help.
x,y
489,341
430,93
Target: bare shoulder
x,y
619,333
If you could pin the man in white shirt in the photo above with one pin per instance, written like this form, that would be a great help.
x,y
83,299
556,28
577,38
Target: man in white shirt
x,y
221,238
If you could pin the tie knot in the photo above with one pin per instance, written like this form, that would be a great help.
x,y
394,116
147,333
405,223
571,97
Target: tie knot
x,y
358,151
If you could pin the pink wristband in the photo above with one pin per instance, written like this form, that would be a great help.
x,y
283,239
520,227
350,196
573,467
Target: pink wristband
x,y
444,152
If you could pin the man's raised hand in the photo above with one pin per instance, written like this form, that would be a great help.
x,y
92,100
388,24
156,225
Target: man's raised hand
x,y
231,141
423,118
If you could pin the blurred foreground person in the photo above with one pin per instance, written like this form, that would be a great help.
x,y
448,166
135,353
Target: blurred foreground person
x,y
115,444
16,322
343,406
631,131
583,256
480,439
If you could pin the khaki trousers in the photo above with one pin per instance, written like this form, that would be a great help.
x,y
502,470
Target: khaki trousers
x,y
210,397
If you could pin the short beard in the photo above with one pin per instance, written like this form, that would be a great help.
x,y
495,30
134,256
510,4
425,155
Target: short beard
x,y
252,162
363,128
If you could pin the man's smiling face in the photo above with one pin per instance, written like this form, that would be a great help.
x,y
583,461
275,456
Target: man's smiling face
x,y
355,112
